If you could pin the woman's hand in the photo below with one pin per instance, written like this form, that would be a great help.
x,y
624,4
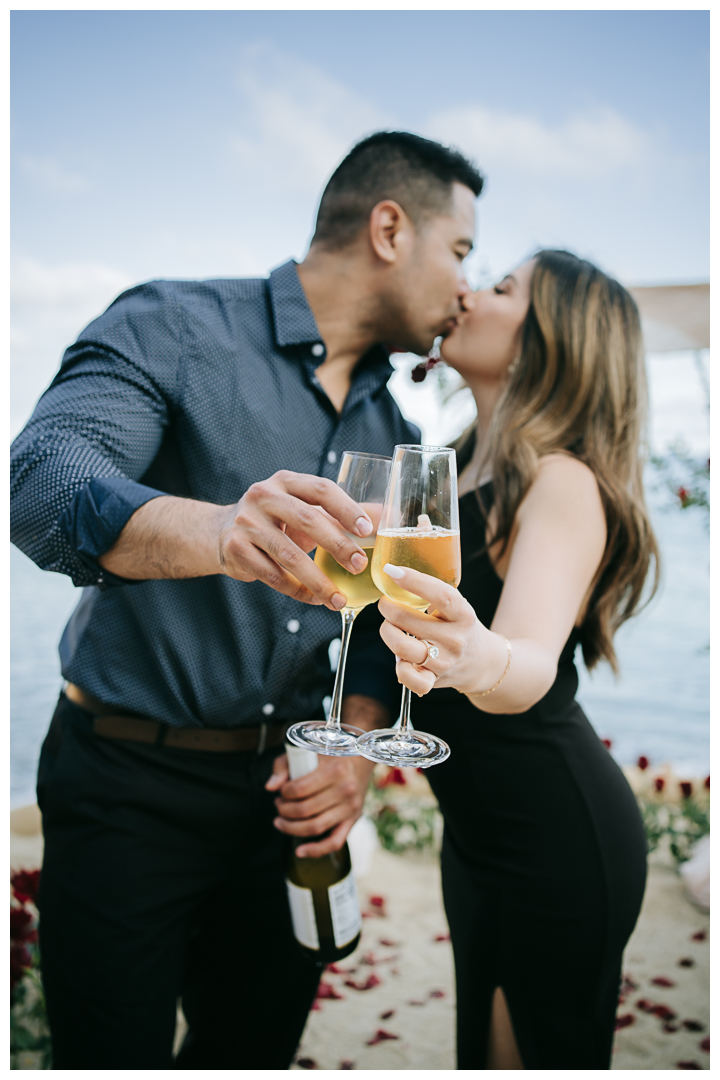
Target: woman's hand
x,y
470,658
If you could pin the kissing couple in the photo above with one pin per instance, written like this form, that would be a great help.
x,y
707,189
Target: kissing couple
x,y
181,469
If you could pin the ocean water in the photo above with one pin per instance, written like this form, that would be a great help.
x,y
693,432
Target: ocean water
x,y
658,707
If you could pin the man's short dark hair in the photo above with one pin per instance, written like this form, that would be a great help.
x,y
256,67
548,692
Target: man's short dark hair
x,y
416,173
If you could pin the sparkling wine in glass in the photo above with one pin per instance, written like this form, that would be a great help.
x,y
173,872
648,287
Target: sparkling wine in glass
x,y
419,528
364,477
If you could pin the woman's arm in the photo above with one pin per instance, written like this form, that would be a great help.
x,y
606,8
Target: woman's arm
x,y
557,545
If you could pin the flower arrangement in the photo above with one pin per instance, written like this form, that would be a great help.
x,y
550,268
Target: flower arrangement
x,y
404,810
675,811
30,1046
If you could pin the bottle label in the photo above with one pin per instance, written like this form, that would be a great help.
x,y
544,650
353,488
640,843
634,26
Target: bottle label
x,y
302,912
345,910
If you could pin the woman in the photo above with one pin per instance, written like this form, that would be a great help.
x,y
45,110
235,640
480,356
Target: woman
x,y
544,852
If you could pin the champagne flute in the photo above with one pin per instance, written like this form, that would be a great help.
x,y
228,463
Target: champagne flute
x,y
419,528
364,477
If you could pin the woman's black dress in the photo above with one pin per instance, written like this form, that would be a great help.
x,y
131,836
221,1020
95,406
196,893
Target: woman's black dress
x,y
543,860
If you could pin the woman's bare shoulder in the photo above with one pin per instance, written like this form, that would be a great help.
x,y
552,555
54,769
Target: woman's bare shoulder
x,y
566,485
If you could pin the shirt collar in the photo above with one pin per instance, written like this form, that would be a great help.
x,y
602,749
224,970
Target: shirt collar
x,y
294,321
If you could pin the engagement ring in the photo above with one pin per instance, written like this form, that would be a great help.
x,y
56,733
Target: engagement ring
x,y
432,650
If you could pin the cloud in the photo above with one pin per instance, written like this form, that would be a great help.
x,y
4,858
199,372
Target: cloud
x,y
73,284
49,174
598,143
299,122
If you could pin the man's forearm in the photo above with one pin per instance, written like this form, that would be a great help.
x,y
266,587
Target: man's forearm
x,y
168,537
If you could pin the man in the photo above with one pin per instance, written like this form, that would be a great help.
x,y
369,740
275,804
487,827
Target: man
x,y
180,462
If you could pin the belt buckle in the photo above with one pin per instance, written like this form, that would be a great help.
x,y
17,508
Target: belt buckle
x,y
263,738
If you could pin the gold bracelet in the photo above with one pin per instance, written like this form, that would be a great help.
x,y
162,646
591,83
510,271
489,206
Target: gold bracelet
x,y
482,693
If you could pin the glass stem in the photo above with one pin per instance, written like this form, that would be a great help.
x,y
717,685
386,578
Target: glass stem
x,y
404,712
348,618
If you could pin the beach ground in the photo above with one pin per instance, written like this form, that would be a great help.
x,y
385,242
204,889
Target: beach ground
x,y
391,1004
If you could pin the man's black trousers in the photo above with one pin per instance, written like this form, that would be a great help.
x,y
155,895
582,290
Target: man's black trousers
x,y
163,879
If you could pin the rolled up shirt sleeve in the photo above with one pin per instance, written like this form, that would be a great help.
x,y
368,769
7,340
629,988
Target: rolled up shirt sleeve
x,y
77,466
370,665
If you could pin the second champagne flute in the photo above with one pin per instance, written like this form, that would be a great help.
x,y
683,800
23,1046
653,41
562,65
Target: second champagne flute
x,y
364,477
419,528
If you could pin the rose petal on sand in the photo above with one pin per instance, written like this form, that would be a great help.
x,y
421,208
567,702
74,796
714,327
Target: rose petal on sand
x,y
387,1014
662,981
693,1025
414,1001
442,937
380,1036
347,1064
687,1065
325,990
372,980
377,901
699,935
306,1063
644,1005
335,969
705,1044
663,1012
687,961
437,993
388,943
624,1021
669,1028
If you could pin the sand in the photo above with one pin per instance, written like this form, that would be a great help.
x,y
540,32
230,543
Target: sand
x,y
415,972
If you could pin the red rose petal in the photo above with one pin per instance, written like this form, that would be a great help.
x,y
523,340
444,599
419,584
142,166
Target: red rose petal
x,y
642,762
663,1012
386,1015
306,1063
607,743
662,981
699,935
686,961
442,937
377,901
335,969
705,1044
669,1028
380,1036
368,958
437,993
687,1065
693,1025
347,1064
624,1021
325,990
372,980
644,1005
388,943
414,1001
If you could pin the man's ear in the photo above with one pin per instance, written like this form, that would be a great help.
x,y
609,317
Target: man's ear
x,y
390,229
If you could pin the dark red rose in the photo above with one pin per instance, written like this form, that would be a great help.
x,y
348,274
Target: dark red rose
x,y
607,743
683,495
707,783
705,1044
699,935
686,788
25,884
659,783
21,922
20,961
662,981
624,1021
643,762
380,1036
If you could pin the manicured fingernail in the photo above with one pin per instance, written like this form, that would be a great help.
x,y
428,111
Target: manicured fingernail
x,y
338,601
359,561
276,822
363,526
300,852
395,572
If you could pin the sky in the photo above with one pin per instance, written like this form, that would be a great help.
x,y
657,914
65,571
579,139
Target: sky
x,y
196,144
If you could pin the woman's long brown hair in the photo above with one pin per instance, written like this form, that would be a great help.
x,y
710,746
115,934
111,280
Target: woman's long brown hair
x,y
579,386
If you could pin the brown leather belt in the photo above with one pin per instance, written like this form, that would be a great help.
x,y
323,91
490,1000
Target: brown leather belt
x,y
109,723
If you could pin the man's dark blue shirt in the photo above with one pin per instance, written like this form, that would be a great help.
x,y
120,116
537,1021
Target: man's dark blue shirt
x,y
195,389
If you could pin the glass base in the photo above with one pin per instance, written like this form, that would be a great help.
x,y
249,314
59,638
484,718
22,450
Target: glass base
x,y
316,735
415,749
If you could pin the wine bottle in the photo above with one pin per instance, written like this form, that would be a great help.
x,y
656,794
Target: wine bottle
x,y
323,899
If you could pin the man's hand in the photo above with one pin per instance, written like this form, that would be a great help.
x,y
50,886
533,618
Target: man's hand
x,y
264,537
332,796
267,536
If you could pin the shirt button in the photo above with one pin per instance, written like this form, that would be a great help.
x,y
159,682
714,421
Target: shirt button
x,y
332,457
293,626
318,350
268,709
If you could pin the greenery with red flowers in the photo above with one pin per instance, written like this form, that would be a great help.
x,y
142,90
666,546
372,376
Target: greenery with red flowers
x,y
686,478
30,1046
